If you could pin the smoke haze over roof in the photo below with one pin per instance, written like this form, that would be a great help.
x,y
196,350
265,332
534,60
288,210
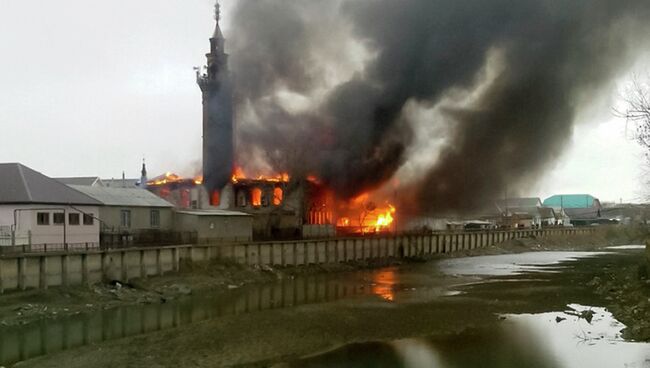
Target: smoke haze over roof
x,y
323,87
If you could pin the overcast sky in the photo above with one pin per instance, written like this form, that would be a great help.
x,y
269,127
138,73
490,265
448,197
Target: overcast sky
x,y
88,88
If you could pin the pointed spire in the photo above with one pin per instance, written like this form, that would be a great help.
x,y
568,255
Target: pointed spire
x,y
144,168
143,175
217,17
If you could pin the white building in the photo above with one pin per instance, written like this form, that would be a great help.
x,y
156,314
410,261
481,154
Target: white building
x,y
36,210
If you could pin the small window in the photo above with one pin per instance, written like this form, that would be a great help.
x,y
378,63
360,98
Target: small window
x,y
59,218
43,218
73,219
125,218
155,218
89,219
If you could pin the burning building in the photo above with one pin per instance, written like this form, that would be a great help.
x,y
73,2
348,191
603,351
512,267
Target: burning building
x,y
282,206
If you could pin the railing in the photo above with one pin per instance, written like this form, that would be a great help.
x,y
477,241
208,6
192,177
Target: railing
x,y
49,248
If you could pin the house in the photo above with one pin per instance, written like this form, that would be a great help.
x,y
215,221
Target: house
x,y
524,212
131,215
36,211
581,209
215,225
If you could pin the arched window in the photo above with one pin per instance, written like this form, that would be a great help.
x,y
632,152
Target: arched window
x,y
278,195
241,198
256,197
215,198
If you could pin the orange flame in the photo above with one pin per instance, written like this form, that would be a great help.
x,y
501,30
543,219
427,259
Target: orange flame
x,y
170,178
239,175
256,197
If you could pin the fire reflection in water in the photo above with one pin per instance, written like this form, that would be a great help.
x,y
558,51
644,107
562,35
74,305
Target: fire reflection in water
x,y
384,284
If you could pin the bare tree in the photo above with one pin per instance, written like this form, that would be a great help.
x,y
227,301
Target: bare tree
x,y
637,110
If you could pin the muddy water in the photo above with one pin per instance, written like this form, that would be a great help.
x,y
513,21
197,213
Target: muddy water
x,y
537,296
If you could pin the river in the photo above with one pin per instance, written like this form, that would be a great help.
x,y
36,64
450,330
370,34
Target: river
x,y
519,310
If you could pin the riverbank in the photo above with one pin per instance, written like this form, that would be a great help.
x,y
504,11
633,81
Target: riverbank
x,y
218,277
296,321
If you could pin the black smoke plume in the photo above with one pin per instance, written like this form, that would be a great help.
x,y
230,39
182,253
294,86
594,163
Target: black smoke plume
x,y
553,56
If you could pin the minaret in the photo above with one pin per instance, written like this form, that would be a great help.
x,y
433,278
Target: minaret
x,y
143,175
218,136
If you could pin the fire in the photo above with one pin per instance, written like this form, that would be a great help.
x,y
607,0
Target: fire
x,y
278,196
386,219
256,197
239,175
171,178
362,215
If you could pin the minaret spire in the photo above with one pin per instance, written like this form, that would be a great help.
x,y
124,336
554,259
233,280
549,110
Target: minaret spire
x,y
216,88
217,16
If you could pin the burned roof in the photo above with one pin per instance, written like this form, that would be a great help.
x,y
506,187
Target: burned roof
x,y
21,185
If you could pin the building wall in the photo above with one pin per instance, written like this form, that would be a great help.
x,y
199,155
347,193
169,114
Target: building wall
x,y
140,218
26,223
214,228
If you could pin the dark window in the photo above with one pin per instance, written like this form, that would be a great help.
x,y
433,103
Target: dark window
x,y
241,198
155,218
59,218
89,219
43,218
73,218
265,199
125,218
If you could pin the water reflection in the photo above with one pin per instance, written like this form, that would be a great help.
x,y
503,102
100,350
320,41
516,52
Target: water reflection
x,y
384,283
19,343
520,341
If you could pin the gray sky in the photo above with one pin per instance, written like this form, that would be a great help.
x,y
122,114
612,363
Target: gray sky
x,y
90,87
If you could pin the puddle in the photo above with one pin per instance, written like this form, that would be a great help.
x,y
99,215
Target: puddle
x,y
528,340
511,264
628,247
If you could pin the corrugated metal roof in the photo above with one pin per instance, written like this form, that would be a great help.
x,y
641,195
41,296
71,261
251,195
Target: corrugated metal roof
x,y
571,201
21,185
211,213
123,197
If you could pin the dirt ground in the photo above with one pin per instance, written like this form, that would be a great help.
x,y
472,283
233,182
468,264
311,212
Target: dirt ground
x,y
254,340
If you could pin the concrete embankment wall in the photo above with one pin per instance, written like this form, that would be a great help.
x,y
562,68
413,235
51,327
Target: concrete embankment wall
x,y
88,267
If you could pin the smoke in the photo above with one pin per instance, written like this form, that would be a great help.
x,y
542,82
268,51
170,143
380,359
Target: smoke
x,y
321,87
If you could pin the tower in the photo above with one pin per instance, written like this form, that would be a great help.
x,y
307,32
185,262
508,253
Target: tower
x,y
218,137
143,176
